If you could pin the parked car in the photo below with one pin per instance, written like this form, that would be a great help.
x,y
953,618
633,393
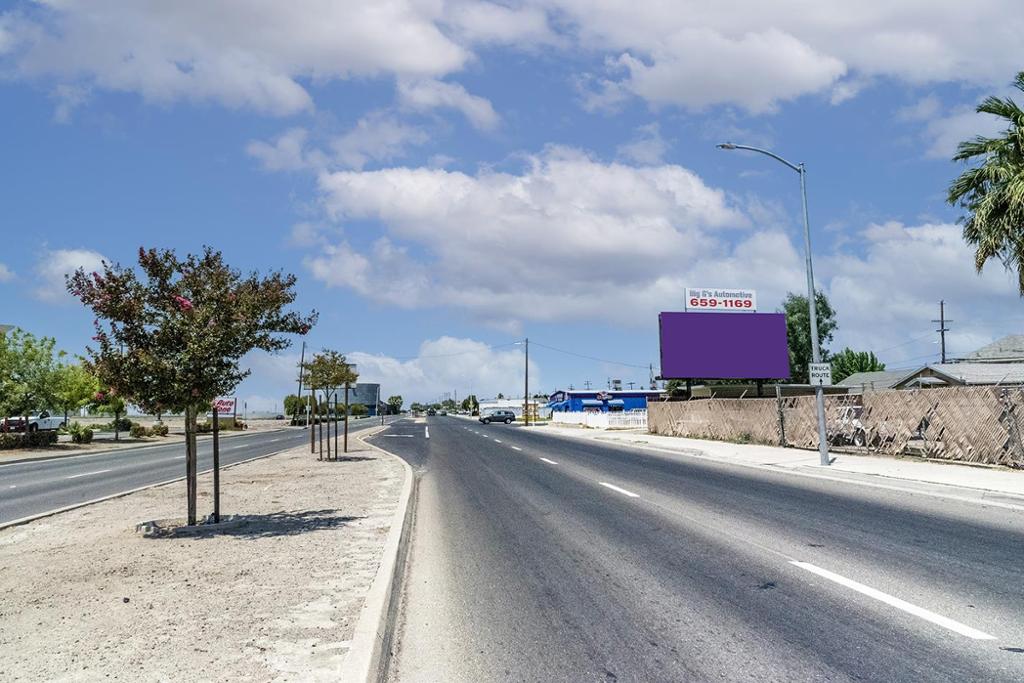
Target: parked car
x,y
506,416
40,423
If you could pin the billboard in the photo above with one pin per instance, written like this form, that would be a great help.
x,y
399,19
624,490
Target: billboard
x,y
723,346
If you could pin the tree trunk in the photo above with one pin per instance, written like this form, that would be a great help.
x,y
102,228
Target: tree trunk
x,y
309,420
191,483
320,429
117,431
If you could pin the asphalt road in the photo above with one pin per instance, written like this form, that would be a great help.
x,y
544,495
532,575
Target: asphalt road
x,y
37,486
539,558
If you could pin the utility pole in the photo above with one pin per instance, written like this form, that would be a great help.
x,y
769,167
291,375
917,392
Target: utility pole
x,y
942,328
586,383
526,386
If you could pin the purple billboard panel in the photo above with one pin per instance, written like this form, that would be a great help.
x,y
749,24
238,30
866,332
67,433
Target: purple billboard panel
x,y
723,346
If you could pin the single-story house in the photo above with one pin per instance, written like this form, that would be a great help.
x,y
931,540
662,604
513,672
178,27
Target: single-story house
x,y
860,382
594,400
963,374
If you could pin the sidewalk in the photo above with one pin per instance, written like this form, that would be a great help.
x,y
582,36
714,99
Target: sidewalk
x,y
859,467
274,595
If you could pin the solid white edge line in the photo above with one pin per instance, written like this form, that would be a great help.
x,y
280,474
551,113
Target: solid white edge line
x,y
86,474
550,462
920,612
623,491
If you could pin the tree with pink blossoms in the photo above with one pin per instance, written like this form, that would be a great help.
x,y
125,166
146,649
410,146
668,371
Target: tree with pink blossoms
x,y
171,333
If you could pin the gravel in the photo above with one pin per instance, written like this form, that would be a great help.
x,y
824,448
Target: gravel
x,y
272,595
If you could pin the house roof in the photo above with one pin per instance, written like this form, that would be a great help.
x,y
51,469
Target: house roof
x,y
883,379
1008,348
971,373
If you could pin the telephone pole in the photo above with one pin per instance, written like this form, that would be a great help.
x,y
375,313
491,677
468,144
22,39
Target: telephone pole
x,y
942,329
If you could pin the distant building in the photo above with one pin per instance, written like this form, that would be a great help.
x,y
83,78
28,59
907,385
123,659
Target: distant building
x,y
367,394
594,400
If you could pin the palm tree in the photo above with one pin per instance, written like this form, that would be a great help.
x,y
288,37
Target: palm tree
x,y
992,193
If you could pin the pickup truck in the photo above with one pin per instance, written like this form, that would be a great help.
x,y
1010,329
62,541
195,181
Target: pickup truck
x,y
41,422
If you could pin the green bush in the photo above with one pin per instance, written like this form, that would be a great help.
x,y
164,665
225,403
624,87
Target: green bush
x,y
159,429
121,425
79,434
9,440
138,431
225,426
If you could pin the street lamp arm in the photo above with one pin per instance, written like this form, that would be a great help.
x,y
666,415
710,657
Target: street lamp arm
x,y
773,155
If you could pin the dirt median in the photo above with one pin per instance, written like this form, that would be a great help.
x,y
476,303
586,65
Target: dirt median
x,y
274,595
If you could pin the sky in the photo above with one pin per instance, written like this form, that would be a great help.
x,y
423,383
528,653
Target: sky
x,y
446,177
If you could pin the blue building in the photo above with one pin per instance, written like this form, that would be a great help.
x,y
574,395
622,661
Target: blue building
x,y
595,400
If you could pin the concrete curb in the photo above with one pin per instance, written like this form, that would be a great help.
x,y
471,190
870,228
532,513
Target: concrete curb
x,y
68,508
371,640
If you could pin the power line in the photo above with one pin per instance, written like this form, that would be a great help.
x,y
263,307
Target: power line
x,y
909,341
593,358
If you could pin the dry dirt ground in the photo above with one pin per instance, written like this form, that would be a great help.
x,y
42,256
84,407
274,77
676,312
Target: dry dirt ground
x,y
84,596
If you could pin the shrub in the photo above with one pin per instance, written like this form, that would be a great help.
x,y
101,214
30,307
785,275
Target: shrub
x,y
159,429
10,440
137,431
79,434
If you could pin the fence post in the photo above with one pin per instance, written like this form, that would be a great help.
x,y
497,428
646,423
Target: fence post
x,y
782,416
1015,448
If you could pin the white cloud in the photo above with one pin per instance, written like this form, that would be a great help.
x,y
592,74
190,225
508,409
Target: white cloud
x,y
377,137
569,237
648,147
943,134
6,274
439,365
264,55
56,264
424,95
698,54
891,293
448,363
253,55
699,67
287,153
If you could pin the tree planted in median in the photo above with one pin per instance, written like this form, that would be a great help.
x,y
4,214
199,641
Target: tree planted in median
x,y
170,335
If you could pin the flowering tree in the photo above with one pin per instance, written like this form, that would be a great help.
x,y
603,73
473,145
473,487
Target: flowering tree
x,y
170,335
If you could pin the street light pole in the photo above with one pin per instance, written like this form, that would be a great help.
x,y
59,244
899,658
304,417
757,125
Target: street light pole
x,y
812,307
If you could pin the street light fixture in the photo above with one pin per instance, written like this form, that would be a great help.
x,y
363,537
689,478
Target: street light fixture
x,y
811,304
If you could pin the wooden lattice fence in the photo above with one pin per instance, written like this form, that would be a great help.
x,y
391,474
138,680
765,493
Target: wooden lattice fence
x,y
970,424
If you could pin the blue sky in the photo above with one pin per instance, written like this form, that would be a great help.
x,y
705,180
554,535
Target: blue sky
x,y
452,175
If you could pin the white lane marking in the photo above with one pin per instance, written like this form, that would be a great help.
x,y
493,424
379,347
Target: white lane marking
x,y
86,474
497,441
426,432
397,436
624,492
921,612
516,448
550,462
